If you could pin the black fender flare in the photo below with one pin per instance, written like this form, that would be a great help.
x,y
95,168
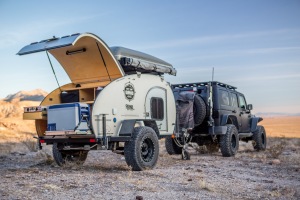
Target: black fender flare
x,y
227,117
127,126
254,122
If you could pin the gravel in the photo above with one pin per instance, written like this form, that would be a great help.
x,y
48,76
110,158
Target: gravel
x,y
105,175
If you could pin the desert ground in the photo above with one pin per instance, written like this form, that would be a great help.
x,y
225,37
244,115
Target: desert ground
x,y
272,174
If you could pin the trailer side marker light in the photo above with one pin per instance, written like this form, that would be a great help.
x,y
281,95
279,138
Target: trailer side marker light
x,y
42,141
173,136
93,140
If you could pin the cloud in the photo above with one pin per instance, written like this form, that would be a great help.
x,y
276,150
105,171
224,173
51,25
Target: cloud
x,y
270,77
235,53
28,31
216,38
269,50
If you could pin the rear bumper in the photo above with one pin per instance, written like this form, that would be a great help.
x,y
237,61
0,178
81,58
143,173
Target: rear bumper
x,y
80,139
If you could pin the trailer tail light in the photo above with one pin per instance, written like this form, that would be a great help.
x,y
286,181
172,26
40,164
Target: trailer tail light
x,y
42,141
93,140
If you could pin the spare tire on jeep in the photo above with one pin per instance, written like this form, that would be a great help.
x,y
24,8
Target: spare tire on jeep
x,y
199,110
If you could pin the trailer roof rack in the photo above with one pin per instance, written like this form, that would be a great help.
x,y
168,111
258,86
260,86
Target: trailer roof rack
x,y
132,60
199,84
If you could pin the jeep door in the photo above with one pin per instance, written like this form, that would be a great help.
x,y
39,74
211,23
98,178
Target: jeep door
x,y
235,109
244,114
156,108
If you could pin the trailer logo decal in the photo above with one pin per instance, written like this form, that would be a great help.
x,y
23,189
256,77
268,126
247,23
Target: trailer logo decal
x,y
129,91
129,107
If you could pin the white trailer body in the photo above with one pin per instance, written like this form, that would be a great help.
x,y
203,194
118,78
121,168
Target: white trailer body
x,y
145,90
129,100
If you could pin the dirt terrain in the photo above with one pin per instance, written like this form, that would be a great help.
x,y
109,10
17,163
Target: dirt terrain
x,y
26,174
287,126
105,175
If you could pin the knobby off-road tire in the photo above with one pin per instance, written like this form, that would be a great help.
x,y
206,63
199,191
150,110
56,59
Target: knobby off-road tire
x,y
229,143
142,151
199,110
171,147
62,157
259,139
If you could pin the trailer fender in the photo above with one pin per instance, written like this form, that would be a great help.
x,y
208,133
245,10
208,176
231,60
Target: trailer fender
x,y
254,122
127,126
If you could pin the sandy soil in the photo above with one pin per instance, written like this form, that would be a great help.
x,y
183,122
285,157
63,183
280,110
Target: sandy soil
x,y
287,126
105,175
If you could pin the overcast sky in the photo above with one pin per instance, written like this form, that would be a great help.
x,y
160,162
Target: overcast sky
x,y
253,45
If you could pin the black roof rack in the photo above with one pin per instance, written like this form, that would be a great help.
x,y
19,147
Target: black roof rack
x,y
199,84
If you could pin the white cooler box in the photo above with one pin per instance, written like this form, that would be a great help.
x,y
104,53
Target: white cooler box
x,y
62,117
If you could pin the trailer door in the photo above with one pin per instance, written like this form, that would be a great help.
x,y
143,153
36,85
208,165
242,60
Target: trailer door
x,y
156,108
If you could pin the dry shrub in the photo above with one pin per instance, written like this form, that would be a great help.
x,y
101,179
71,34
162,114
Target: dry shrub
x,y
286,192
5,148
275,150
292,160
46,157
31,143
205,186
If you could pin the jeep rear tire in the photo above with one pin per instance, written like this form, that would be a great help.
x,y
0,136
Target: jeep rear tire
x,y
259,139
229,143
199,110
142,151
62,157
171,147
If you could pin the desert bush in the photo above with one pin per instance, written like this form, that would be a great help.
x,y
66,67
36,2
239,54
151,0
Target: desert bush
x,y
5,148
205,186
31,143
48,159
275,150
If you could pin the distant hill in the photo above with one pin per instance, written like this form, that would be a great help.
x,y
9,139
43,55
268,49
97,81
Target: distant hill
x,y
12,125
34,95
276,114
12,105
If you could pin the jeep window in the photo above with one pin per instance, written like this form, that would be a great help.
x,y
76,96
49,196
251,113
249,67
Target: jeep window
x,y
224,98
233,98
242,102
157,108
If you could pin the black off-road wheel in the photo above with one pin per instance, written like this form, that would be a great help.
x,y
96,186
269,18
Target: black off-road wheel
x,y
142,151
199,110
62,157
259,139
171,147
229,143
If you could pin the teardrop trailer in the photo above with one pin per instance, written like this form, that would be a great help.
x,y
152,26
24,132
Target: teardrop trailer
x,y
117,100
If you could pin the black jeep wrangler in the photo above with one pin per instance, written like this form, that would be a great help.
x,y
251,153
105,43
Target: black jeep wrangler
x,y
213,114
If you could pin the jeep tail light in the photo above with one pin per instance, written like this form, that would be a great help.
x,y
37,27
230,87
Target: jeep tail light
x,y
42,141
92,140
